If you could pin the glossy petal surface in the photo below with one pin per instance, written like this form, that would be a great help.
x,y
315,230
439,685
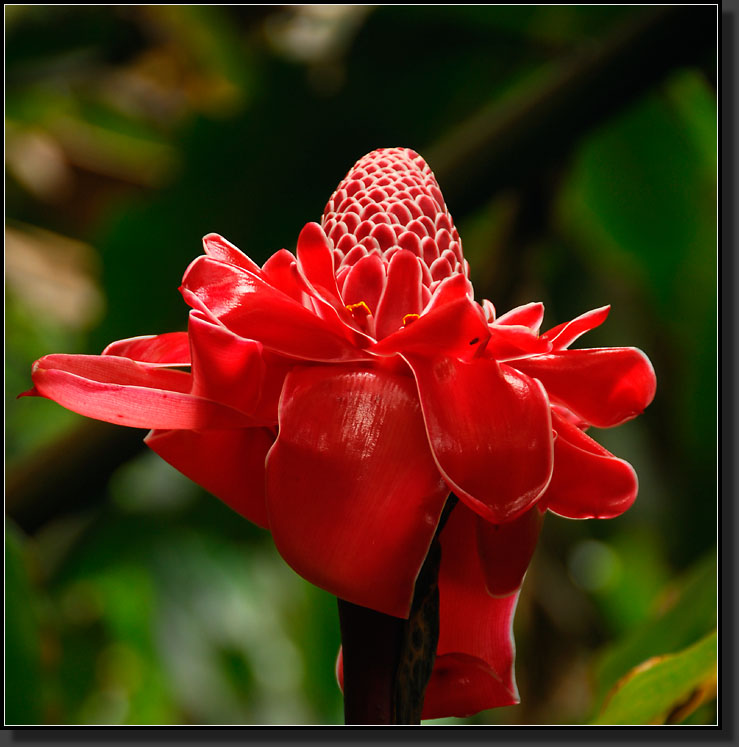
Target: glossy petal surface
x,y
563,335
452,323
588,481
227,463
219,248
402,294
474,662
111,369
120,391
513,342
529,315
226,368
604,386
316,260
169,349
353,494
365,282
490,431
281,272
253,309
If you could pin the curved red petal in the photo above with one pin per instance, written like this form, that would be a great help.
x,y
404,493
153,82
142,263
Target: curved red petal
x,y
120,391
364,282
511,342
353,493
219,248
316,260
475,655
604,386
225,367
451,289
489,310
588,481
529,315
463,685
311,281
402,294
253,309
452,323
169,349
506,550
281,272
276,368
227,463
113,369
565,334
569,416
490,431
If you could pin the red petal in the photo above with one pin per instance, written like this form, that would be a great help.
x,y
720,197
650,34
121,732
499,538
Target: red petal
x,y
120,391
219,248
402,294
506,549
529,315
452,323
312,282
353,493
317,260
112,369
588,481
253,309
489,310
226,368
474,663
170,349
277,368
490,431
511,342
604,386
281,271
565,334
227,463
365,282
568,415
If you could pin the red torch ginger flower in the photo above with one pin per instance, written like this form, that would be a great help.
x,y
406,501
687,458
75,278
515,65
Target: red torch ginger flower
x,y
336,397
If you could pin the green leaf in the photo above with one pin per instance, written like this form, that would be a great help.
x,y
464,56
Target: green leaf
x,y
664,688
688,612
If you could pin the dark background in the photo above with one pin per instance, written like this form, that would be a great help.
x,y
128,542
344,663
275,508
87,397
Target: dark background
x,y
576,149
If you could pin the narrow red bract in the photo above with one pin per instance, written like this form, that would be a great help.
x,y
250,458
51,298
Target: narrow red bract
x,y
338,395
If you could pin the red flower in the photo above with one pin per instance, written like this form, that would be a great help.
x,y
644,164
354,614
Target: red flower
x,y
337,397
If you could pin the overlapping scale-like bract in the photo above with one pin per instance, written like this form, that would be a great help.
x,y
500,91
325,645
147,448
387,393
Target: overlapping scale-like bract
x,y
389,203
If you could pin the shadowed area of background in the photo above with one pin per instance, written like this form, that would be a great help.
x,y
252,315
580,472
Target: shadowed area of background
x,y
576,149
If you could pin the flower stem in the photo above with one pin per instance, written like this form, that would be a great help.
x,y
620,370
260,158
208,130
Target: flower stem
x,y
371,643
388,660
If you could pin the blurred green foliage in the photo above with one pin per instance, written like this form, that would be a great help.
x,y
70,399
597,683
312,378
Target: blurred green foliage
x,y
661,687
684,611
132,131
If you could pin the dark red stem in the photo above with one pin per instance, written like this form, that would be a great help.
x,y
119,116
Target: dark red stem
x,y
371,643
388,660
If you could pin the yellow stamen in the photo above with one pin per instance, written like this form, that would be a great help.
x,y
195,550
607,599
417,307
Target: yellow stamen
x,y
354,307
408,318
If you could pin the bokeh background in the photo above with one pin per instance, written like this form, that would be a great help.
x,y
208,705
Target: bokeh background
x,y
576,148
